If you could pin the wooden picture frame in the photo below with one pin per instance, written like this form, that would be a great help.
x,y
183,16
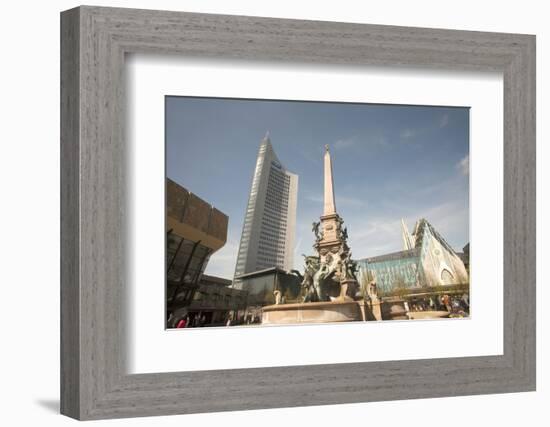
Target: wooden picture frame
x,y
94,41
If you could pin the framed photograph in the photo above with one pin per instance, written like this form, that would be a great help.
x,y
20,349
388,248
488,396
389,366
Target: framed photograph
x,y
226,272
278,213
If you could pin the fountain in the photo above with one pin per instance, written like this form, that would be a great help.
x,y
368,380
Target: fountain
x,y
329,278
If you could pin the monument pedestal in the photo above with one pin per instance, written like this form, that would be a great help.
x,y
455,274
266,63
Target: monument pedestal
x,y
312,312
344,286
375,309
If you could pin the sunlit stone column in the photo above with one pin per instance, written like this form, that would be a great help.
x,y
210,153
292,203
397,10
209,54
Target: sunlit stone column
x,y
330,205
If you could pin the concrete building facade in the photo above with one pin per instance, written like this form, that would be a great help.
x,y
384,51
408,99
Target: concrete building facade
x,y
268,233
214,302
194,231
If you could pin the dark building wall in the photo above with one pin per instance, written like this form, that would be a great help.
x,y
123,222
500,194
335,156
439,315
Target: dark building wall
x,y
215,293
213,303
194,231
261,285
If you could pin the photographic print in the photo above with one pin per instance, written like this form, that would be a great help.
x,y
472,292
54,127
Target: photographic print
x,y
286,212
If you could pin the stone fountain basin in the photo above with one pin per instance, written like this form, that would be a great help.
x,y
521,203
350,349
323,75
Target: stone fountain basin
x,y
312,312
418,315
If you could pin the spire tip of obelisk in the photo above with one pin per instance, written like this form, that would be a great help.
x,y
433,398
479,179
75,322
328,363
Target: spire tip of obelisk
x,y
330,205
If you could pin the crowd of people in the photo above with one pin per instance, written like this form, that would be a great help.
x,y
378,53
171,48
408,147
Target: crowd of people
x,y
455,305
191,321
452,304
198,320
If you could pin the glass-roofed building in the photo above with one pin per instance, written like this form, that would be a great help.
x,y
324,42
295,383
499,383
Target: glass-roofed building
x,y
426,261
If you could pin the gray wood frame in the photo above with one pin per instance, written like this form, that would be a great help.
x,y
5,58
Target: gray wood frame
x,y
94,41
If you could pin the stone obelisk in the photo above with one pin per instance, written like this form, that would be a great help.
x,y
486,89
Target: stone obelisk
x,y
330,205
332,243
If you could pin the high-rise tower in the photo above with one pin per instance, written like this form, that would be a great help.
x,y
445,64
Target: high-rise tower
x,y
267,239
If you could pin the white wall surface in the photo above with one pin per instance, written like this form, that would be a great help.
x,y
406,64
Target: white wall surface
x,y
29,224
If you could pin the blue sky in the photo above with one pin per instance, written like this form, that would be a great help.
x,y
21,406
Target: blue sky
x,y
389,162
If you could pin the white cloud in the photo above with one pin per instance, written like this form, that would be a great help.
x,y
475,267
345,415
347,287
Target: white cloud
x,y
316,198
222,263
371,236
373,139
350,201
379,141
374,236
344,143
407,133
313,156
464,165
444,121
340,200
